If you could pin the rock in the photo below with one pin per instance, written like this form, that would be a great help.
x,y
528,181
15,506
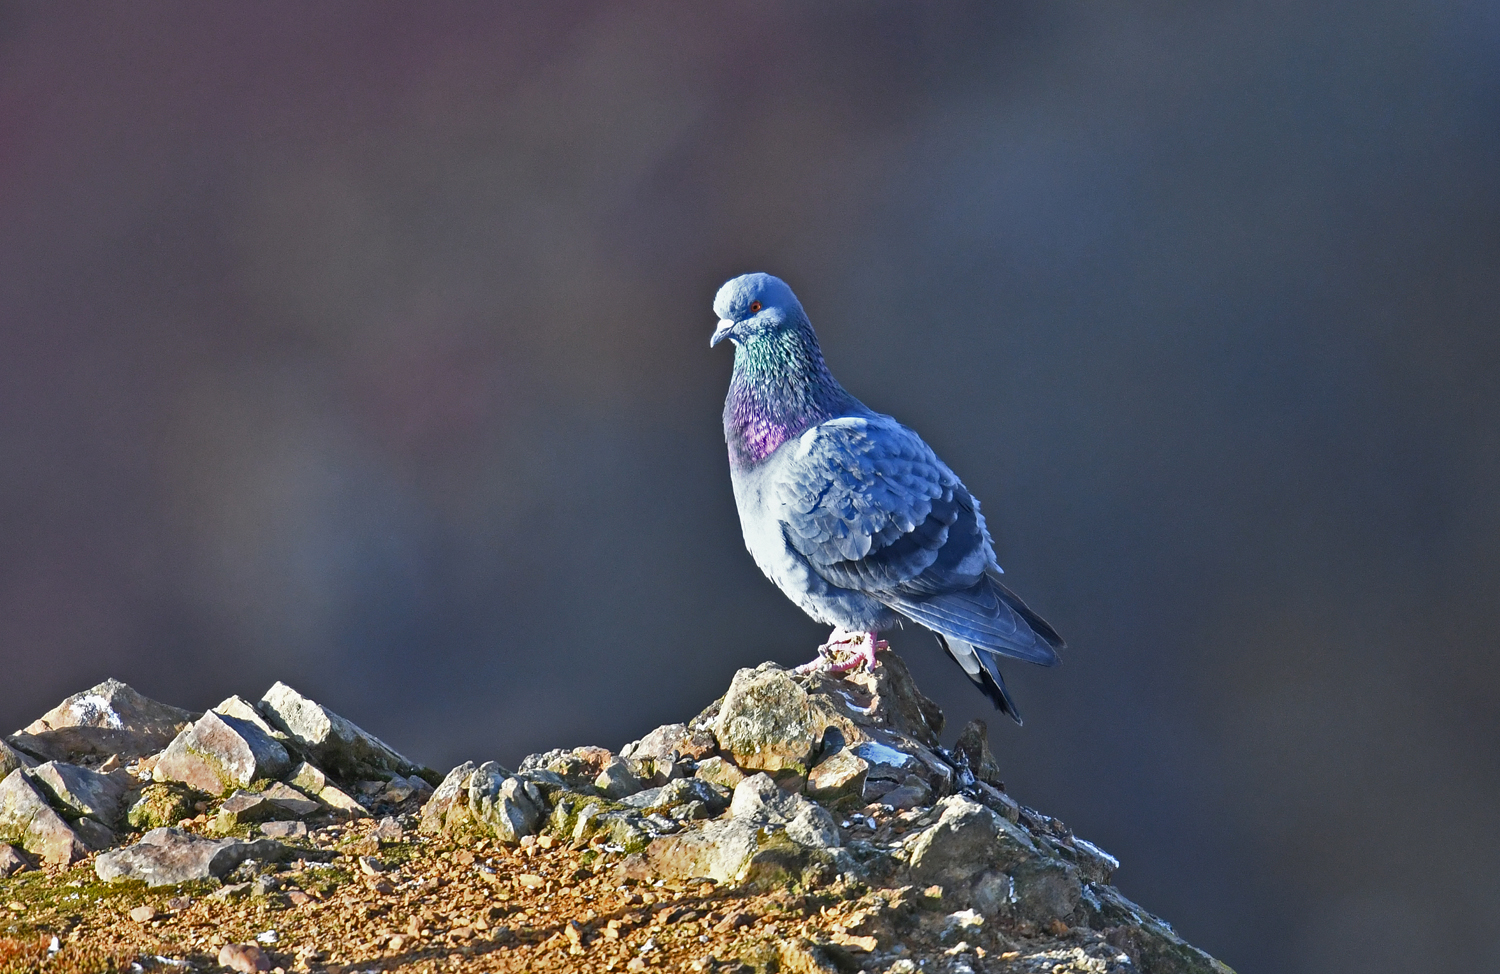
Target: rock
x,y
966,839
388,830
80,791
913,792
311,781
143,914
679,792
770,838
887,699
718,771
220,753
26,820
110,718
11,759
13,860
1045,890
165,856
616,780
94,834
399,789
333,742
284,830
455,784
238,706
578,767
584,820
837,777
508,807
973,748
243,808
766,724
663,754
290,801
161,804
757,799
244,958
1152,944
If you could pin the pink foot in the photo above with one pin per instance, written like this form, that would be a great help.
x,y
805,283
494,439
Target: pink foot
x,y
861,646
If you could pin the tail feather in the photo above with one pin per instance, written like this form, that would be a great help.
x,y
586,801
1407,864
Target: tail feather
x,y
979,666
988,616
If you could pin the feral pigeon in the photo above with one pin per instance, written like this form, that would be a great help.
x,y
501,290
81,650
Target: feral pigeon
x,y
850,513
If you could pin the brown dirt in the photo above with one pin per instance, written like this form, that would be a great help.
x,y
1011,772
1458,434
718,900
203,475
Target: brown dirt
x,y
439,905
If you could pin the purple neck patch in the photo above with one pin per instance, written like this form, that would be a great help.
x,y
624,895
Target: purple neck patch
x,y
780,387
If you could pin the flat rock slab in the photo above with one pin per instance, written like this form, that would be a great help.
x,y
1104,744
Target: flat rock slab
x,y
81,791
26,820
336,744
110,718
166,856
220,753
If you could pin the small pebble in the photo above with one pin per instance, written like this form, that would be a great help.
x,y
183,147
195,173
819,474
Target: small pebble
x,y
143,914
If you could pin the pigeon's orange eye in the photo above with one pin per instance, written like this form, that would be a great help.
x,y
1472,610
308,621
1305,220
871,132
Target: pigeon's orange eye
x,y
754,306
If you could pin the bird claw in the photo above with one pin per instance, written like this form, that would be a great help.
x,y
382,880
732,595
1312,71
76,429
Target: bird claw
x,y
861,647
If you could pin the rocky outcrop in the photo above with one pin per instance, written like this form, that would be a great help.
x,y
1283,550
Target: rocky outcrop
x,y
834,779
789,784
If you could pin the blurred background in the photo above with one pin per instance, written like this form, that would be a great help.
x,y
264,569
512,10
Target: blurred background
x,y
365,347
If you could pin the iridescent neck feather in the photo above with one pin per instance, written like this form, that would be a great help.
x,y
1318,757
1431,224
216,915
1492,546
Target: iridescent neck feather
x,y
780,388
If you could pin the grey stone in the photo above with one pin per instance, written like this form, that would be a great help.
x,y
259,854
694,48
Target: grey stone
x,y
220,753
336,744
238,706
668,752
507,806
80,791
577,767
94,834
311,781
11,759
682,791
26,820
290,801
1046,890
741,851
758,800
913,792
454,787
284,830
617,781
719,771
110,718
13,860
766,723
838,776
966,839
245,807
165,856
973,749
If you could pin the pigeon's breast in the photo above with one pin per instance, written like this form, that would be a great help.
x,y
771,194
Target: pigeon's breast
x,y
756,497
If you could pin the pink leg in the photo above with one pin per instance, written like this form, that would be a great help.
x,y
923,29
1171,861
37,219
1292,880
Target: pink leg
x,y
861,645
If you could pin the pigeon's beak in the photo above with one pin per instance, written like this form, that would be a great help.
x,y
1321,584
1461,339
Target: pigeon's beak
x,y
722,332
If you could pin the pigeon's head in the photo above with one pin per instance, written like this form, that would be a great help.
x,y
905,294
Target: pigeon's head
x,y
753,305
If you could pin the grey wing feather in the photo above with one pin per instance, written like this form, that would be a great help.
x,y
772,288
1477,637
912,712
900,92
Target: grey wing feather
x,y
872,509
